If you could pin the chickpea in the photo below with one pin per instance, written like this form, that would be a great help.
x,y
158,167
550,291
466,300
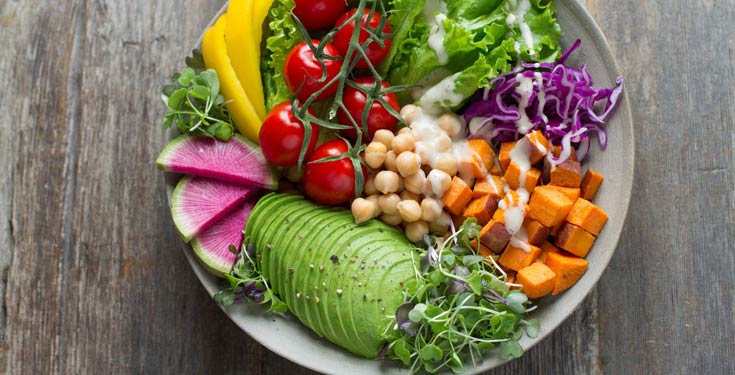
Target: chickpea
x,y
409,113
390,161
416,182
446,162
374,198
388,203
451,123
408,163
403,142
444,143
438,182
409,196
389,219
363,210
423,151
294,175
410,210
415,231
375,154
385,137
387,182
370,185
430,209
441,224
405,130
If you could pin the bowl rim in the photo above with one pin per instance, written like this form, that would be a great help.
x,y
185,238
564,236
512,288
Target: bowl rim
x,y
588,23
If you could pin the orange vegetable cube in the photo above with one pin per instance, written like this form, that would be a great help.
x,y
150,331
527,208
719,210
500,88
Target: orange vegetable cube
x,y
494,236
537,232
484,151
557,228
575,240
587,216
590,183
495,169
481,249
499,215
493,185
571,193
513,177
568,173
556,151
515,258
568,269
537,279
549,206
456,198
539,145
482,208
547,248
504,154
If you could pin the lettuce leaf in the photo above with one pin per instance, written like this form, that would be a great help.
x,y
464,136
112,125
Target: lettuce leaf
x,y
282,37
478,42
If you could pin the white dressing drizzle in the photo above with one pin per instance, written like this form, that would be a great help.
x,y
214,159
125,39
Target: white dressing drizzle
x,y
441,96
514,209
436,38
517,10
525,90
541,95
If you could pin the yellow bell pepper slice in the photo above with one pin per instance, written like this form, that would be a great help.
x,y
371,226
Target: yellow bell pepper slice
x,y
243,47
260,12
214,50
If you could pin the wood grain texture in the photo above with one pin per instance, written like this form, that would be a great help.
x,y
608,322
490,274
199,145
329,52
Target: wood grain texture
x,y
92,278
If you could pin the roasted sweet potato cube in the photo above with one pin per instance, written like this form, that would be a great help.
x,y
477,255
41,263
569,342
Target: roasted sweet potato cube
x,y
568,174
590,183
557,228
504,154
484,151
495,168
493,185
571,193
482,208
587,216
547,248
537,279
537,232
539,145
515,258
575,240
568,269
556,151
549,206
481,249
456,198
513,177
494,236
499,215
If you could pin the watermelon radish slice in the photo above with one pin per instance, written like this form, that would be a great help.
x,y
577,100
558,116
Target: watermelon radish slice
x,y
198,202
237,161
212,247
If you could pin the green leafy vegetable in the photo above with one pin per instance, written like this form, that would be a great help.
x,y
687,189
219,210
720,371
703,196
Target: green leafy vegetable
x,y
195,104
479,41
460,308
283,36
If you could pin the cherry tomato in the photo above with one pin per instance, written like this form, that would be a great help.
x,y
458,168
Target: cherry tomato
x,y
378,117
282,136
374,52
318,14
303,70
332,182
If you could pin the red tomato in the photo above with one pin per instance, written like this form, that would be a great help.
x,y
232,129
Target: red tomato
x,y
318,14
303,70
378,118
375,53
332,182
282,135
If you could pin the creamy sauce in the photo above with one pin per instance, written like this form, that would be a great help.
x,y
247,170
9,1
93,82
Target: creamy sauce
x,y
427,82
436,38
541,95
524,90
517,10
441,96
514,205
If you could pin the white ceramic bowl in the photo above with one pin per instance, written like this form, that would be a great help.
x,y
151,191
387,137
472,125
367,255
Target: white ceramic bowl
x,y
290,339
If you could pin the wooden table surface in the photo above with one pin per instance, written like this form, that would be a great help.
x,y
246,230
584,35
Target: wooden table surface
x,y
93,280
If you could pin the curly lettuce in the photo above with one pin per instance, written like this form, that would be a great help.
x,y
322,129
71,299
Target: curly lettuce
x,y
481,39
282,37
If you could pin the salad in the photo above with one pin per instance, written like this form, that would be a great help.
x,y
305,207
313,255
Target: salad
x,y
405,177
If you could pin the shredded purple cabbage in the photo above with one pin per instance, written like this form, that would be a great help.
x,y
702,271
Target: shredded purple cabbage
x,y
563,105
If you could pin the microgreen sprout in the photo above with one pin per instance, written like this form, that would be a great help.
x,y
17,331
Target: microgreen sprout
x,y
458,309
